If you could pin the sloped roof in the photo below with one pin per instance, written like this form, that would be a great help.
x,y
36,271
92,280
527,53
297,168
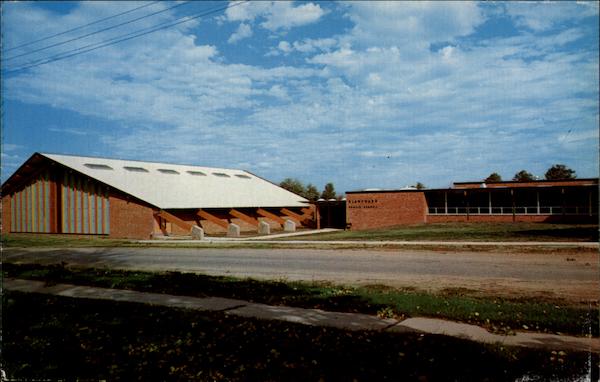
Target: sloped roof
x,y
171,186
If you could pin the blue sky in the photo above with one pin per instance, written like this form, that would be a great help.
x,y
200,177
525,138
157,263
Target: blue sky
x,y
364,95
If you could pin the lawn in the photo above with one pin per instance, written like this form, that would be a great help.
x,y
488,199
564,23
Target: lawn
x,y
51,338
470,232
496,314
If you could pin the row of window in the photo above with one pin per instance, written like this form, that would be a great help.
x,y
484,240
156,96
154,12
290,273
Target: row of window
x,y
98,166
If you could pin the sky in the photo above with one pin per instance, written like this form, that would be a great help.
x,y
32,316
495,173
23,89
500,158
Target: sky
x,y
361,94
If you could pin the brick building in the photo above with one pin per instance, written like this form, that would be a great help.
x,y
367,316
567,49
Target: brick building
x,y
130,199
574,201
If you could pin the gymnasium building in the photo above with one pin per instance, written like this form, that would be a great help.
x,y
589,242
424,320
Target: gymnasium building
x,y
129,199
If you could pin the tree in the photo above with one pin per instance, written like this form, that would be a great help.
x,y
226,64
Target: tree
x,y
293,185
311,193
328,192
494,177
419,186
523,176
560,171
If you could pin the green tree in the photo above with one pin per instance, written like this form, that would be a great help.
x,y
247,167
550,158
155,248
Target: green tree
x,y
494,177
560,171
523,176
328,192
419,186
311,193
293,185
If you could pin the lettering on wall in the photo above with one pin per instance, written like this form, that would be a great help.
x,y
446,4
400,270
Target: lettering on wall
x,y
363,203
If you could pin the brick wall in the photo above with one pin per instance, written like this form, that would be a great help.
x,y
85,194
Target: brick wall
x,y
130,219
383,209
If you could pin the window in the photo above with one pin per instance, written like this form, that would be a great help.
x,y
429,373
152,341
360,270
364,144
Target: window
x,y
167,171
98,166
243,176
221,174
197,173
135,169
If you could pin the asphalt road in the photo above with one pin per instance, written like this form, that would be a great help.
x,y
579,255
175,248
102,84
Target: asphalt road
x,y
573,275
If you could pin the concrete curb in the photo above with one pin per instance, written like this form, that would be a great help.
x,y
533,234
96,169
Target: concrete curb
x,y
314,317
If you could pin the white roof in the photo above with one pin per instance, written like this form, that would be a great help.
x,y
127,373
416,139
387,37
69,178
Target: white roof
x,y
170,186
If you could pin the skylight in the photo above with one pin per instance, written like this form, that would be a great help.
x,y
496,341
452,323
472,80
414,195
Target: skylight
x,y
135,169
221,174
167,171
243,176
198,173
98,166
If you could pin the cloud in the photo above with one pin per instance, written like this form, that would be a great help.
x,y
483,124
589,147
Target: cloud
x,y
539,17
243,31
405,88
285,16
414,24
277,15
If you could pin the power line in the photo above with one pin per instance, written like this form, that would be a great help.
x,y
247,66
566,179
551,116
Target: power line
x,y
94,33
80,27
119,39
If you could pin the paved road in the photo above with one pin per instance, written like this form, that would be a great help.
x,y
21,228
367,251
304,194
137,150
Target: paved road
x,y
573,275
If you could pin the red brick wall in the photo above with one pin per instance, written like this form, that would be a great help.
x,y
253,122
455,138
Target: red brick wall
x,y
384,209
130,219
6,214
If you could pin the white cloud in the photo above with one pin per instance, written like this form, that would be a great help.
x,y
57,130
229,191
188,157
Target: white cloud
x,y
471,105
414,24
284,46
243,31
543,16
276,14
285,16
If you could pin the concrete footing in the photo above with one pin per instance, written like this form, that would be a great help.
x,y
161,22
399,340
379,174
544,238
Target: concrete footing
x,y
197,233
264,228
233,230
289,226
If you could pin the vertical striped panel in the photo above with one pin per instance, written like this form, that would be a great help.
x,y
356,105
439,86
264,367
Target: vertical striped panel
x,y
44,204
13,212
39,210
33,208
85,215
72,206
92,202
47,203
26,210
63,203
106,213
99,214
84,205
20,211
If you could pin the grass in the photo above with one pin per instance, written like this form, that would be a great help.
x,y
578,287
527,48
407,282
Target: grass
x,y
497,314
52,338
453,232
59,241
470,232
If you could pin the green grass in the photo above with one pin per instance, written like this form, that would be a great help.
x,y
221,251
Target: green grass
x,y
59,241
53,338
470,232
497,314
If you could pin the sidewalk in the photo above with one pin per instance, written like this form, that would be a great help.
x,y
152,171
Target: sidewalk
x,y
315,317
